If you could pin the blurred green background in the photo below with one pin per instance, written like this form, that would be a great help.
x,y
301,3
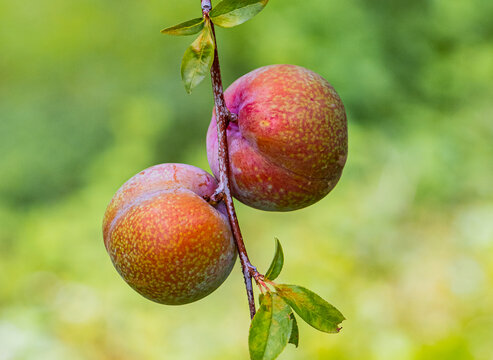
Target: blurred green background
x,y
90,94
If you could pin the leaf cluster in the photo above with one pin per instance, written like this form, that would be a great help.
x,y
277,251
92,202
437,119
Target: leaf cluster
x,y
199,56
275,325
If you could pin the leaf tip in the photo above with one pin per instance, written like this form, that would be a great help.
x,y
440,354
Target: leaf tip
x,y
277,263
188,88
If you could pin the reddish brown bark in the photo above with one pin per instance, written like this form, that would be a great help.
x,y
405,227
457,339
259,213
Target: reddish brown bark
x,y
223,193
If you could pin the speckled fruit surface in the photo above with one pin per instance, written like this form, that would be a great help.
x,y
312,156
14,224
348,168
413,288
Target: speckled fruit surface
x,y
289,146
164,239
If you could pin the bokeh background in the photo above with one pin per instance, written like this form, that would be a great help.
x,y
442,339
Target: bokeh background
x,y
90,94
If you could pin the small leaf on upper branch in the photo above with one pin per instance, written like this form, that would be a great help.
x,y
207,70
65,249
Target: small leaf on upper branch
x,y
295,335
312,308
198,59
189,27
229,13
277,263
270,328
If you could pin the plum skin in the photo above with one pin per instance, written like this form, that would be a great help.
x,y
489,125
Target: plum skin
x,y
289,146
164,239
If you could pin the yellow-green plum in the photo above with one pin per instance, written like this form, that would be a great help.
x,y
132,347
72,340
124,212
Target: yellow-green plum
x,y
164,239
288,147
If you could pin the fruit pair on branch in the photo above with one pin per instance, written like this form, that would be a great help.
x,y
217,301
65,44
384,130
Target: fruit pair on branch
x,y
277,141
287,150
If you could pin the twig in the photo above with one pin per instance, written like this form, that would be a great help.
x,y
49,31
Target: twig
x,y
223,117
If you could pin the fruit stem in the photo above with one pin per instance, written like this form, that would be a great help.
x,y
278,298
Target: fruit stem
x,y
223,117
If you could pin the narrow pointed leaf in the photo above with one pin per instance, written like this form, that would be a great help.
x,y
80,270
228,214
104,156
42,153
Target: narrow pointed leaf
x,y
198,59
312,308
229,13
270,328
186,28
277,263
294,338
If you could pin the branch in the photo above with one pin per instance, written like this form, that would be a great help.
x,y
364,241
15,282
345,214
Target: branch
x,y
223,117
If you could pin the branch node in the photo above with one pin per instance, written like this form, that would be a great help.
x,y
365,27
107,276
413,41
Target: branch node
x,y
206,7
219,194
233,117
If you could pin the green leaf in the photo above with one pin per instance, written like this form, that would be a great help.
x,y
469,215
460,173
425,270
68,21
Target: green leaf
x,y
276,264
229,13
198,59
270,329
295,335
312,308
189,27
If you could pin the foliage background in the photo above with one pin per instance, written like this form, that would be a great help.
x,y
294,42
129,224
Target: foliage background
x,y
90,94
